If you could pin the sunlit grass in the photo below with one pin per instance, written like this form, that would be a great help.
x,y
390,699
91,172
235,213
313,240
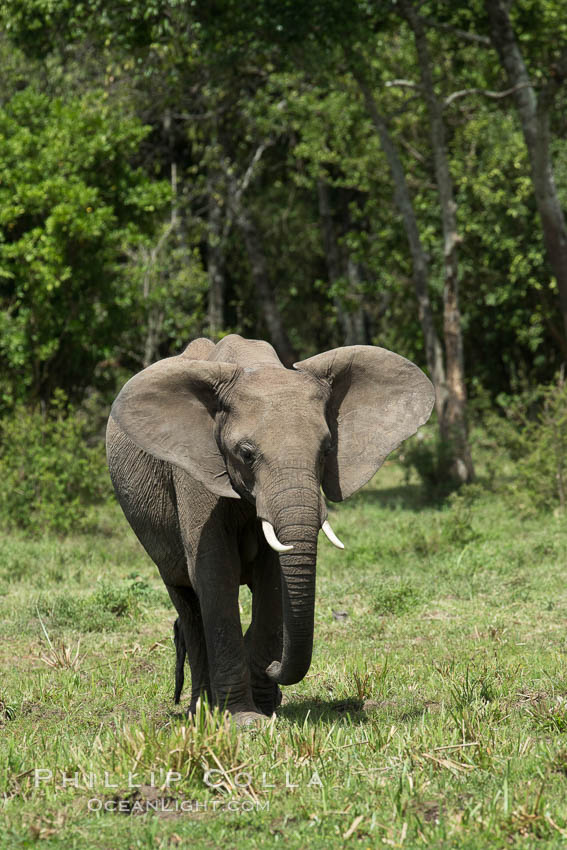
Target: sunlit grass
x,y
434,713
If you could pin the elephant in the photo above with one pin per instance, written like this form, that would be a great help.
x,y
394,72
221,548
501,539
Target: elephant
x,y
218,457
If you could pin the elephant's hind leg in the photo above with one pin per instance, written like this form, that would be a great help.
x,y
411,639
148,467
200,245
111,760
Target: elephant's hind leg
x,y
190,641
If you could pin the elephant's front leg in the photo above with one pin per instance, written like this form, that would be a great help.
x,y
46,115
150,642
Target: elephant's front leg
x,y
217,582
264,636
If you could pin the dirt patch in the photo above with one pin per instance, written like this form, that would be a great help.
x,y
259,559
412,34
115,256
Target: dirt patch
x,y
124,710
43,711
529,698
428,810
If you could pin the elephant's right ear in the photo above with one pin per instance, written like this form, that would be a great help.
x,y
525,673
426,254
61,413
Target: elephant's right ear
x,y
168,410
377,399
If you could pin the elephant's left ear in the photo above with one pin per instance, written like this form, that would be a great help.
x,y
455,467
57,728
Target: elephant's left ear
x,y
169,410
378,399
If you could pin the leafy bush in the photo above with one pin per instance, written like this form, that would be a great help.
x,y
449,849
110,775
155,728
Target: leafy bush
x,y
458,526
71,204
431,458
50,473
533,433
542,471
524,439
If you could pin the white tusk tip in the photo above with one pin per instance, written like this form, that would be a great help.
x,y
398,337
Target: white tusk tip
x,y
328,531
271,538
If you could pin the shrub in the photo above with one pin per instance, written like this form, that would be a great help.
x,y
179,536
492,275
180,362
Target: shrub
x,y
533,432
431,458
542,471
458,526
50,473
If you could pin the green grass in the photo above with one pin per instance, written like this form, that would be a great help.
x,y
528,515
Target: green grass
x,y
434,713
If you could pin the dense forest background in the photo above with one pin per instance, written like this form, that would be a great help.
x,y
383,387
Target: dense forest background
x,y
312,173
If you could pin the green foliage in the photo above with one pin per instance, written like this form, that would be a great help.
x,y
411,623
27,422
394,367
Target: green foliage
x,y
70,201
550,718
168,287
508,292
42,26
471,688
429,457
532,431
258,99
542,471
458,528
50,472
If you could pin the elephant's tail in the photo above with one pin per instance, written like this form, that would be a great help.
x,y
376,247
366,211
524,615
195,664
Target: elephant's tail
x,y
180,654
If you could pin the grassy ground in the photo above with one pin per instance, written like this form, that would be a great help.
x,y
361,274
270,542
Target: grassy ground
x,y
434,713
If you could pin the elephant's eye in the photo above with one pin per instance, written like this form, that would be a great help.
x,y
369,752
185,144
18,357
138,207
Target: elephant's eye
x,y
247,452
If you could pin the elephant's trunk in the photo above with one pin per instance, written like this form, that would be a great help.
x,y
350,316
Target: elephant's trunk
x,y
296,517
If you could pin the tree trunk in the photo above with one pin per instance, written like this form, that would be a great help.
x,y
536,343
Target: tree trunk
x,y
355,312
454,420
264,293
403,201
534,118
355,318
215,266
155,313
352,322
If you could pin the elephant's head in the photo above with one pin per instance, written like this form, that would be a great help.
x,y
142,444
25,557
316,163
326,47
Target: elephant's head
x,y
275,436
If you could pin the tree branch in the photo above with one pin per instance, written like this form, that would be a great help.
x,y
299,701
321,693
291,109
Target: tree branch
x,y
466,36
408,84
495,95
249,173
413,151
238,187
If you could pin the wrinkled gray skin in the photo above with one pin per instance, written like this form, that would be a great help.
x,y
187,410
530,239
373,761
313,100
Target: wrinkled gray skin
x,y
203,446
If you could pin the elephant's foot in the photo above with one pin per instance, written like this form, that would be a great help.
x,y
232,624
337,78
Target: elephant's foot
x,y
249,719
240,717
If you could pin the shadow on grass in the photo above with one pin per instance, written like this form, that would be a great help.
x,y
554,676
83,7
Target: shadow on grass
x,y
414,497
325,711
409,497
316,711
357,710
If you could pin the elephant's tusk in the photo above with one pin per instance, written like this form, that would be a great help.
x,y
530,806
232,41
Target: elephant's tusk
x,y
326,528
271,538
